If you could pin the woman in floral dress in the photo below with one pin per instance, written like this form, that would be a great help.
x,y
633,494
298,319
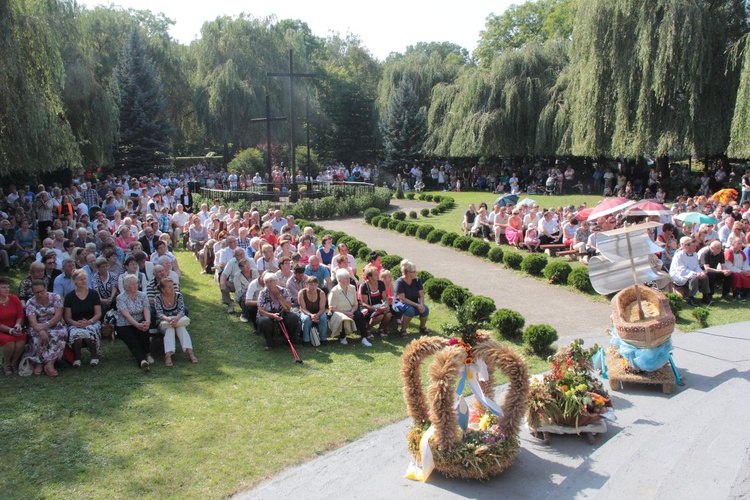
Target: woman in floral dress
x,y
47,332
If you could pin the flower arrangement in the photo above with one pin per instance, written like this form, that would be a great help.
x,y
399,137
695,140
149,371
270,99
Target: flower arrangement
x,y
568,394
488,445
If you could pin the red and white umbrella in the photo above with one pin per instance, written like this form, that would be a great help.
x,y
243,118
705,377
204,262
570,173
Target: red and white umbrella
x,y
610,206
647,207
584,214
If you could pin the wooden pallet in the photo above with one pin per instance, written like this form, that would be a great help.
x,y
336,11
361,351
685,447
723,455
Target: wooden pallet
x,y
590,431
664,376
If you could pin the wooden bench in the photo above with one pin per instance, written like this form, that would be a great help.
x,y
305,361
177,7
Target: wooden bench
x,y
552,250
573,253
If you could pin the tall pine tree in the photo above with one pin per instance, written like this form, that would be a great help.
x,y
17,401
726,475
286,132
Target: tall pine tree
x,y
144,134
404,125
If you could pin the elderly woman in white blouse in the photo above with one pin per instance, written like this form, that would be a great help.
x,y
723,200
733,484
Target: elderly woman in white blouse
x,y
344,306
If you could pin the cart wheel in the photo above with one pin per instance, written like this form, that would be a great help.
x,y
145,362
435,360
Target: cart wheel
x,y
590,435
545,436
667,388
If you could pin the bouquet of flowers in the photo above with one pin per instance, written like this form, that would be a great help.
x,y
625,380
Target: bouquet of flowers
x,y
568,394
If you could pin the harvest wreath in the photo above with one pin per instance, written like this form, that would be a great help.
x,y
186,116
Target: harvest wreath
x,y
447,437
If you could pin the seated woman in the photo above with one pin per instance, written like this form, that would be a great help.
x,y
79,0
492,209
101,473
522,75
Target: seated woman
x,y
482,225
170,313
342,262
326,250
133,320
132,269
410,298
36,272
275,305
242,281
374,300
12,336
104,283
344,307
47,332
514,231
531,240
313,310
83,312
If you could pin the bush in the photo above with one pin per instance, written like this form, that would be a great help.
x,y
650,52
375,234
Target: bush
x,y
463,243
436,211
480,248
423,231
454,296
508,323
389,261
539,338
384,223
428,197
410,196
399,215
496,254
336,236
401,227
393,223
435,287
449,238
557,272
375,221
513,260
477,309
354,246
364,254
435,235
411,229
676,302
425,212
395,272
371,213
249,160
412,214
437,198
701,315
421,196
579,279
425,276
534,264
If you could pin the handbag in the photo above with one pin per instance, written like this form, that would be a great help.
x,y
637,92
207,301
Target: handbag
x,y
26,367
314,336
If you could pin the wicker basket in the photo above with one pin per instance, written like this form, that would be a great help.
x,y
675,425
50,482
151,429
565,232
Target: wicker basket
x,y
647,333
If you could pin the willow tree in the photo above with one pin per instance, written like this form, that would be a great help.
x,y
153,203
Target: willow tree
x,y
649,77
35,136
739,146
495,111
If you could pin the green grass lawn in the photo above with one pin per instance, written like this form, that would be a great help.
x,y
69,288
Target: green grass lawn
x,y
195,431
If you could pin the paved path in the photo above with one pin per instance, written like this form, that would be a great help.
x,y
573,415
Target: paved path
x,y
571,313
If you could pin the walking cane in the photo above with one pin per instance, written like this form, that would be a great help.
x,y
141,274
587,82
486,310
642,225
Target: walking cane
x,y
286,334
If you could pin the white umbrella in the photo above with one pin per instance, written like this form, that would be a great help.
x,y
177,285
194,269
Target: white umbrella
x,y
526,201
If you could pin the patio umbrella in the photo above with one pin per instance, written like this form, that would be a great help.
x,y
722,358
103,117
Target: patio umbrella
x,y
527,201
647,207
505,199
695,218
584,214
610,206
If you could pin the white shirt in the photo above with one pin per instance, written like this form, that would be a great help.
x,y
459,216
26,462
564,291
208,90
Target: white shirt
x,y
684,267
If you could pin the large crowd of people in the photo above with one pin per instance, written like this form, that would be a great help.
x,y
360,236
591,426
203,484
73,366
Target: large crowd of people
x,y
101,256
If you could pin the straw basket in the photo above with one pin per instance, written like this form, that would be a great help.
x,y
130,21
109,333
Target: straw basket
x,y
650,332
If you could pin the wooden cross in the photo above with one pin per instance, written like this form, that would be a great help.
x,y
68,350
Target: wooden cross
x,y
268,119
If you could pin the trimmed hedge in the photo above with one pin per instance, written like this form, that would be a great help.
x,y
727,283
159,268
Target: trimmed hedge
x,y
480,248
370,213
399,215
435,235
393,224
508,323
375,221
412,214
425,212
676,302
354,246
449,238
463,243
436,211
579,279
478,309
557,272
454,296
435,287
534,264
411,229
384,223
423,231
425,276
389,261
410,195
364,254
513,260
401,227
496,254
539,338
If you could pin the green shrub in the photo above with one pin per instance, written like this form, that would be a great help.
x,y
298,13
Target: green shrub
x,y
435,287
435,235
375,221
557,272
395,272
508,323
513,260
421,196
437,198
534,264
436,211
364,254
382,253
412,214
370,213
676,302
354,246
399,215
539,338
425,276
428,197
463,243
249,160
390,261
384,223
477,309
393,223
480,248
410,196
449,238
336,236
454,296
579,279
423,231
411,229
701,315
401,227
496,254
425,212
